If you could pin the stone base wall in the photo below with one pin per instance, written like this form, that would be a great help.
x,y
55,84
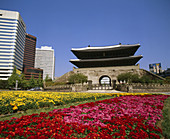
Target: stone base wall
x,y
64,88
151,88
144,87
94,74
68,88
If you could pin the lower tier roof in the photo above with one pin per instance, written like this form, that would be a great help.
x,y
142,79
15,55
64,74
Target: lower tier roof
x,y
106,62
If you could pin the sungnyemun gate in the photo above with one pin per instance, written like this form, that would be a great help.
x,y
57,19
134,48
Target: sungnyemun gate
x,y
103,64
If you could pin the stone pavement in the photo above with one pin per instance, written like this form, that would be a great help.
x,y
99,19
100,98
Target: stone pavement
x,y
103,91
115,91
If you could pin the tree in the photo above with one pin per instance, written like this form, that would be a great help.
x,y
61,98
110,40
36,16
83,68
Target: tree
x,y
47,78
134,78
77,78
48,81
13,78
32,82
145,79
167,81
25,84
21,80
3,84
40,81
124,77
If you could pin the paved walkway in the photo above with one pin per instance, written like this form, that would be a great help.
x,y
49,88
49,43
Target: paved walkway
x,y
104,91
115,91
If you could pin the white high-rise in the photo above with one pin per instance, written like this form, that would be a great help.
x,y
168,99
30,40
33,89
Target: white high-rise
x,y
44,59
12,41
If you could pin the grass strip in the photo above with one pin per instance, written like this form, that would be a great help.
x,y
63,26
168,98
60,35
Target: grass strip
x,y
166,119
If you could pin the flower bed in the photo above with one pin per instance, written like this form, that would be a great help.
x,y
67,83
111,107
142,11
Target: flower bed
x,y
120,117
12,101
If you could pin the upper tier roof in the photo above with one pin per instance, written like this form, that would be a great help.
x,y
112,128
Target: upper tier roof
x,y
105,51
103,48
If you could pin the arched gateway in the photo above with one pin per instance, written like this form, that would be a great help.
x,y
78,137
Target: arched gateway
x,y
103,64
105,80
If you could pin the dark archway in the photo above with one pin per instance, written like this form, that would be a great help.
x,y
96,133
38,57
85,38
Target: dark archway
x,y
105,80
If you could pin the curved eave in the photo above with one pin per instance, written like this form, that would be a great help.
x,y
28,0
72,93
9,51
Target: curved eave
x,y
105,59
107,62
104,48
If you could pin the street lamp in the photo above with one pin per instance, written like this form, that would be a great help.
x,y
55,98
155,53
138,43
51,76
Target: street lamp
x,y
16,85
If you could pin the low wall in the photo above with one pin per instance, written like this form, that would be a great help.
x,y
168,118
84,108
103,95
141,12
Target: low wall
x,y
144,87
63,88
67,88
79,88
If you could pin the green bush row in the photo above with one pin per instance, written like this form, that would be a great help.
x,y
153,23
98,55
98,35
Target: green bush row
x,y
135,78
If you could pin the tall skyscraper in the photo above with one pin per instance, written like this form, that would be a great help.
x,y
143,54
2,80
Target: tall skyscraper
x,y
12,41
29,58
29,51
44,59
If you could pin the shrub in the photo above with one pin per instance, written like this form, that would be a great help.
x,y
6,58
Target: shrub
x,y
167,81
145,79
3,84
124,77
134,78
128,77
77,78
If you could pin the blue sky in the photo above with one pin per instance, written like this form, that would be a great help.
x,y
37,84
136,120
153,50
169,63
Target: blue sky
x,y
66,24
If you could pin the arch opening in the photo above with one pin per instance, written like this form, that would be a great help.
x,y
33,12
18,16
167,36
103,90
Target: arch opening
x,y
105,80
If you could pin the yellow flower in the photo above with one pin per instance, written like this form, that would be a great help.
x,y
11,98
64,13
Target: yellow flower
x,y
15,107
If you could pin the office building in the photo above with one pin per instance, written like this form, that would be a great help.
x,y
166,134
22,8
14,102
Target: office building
x,y
44,59
35,72
29,58
155,68
12,41
29,51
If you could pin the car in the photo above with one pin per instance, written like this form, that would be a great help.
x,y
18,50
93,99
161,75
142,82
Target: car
x,y
14,88
35,89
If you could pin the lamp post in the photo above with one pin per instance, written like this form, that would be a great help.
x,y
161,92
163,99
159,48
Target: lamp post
x,y
16,85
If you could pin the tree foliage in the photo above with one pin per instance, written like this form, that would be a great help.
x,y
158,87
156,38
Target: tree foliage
x,y
48,81
77,78
22,82
124,77
40,81
134,78
167,81
13,78
3,84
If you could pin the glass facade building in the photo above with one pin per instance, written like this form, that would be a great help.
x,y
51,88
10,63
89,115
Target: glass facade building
x,y
12,41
